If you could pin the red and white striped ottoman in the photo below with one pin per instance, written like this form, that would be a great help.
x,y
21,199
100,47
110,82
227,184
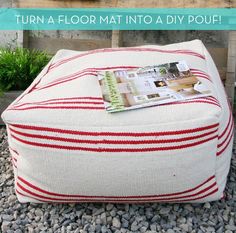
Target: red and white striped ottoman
x,y
66,148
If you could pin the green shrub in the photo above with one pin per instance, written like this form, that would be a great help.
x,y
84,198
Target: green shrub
x,y
19,67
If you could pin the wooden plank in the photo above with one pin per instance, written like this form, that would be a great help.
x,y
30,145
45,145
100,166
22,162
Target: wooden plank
x,y
219,56
116,39
126,3
51,45
25,38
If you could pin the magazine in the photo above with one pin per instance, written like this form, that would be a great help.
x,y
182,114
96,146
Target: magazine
x,y
148,86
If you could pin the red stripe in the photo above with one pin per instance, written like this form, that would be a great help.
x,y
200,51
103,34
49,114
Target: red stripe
x,y
199,73
55,101
106,141
212,98
94,69
34,87
102,108
208,98
66,77
64,103
183,198
13,163
117,197
187,52
67,80
83,72
202,76
190,102
226,138
120,150
13,150
57,107
226,146
118,134
227,126
116,201
73,102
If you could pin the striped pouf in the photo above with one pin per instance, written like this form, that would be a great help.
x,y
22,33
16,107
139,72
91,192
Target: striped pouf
x,y
66,148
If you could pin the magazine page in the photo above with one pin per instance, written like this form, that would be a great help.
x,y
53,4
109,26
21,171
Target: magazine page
x,y
148,86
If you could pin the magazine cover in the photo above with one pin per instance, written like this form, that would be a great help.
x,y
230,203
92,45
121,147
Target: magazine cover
x,y
148,86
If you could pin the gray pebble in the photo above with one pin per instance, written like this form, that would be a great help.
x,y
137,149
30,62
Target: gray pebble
x,y
182,220
38,212
18,231
113,213
164,210
109,220
109,207
207,205
125,223
170,231
116,222
231,227
103,218
189,207
12,198
30,229
7,217
153,227
66,223
99,211
5,226
134,226
104,229
184,227
143,229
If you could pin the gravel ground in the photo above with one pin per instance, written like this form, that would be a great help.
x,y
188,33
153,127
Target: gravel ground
x,y
15,217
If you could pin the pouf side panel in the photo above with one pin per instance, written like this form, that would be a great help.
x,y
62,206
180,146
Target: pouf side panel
x,y
63,171
224,152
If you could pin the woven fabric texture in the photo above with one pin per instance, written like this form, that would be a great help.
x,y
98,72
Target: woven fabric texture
x,y
66,148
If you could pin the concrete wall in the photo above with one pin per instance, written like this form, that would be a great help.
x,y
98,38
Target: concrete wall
x,y
9,38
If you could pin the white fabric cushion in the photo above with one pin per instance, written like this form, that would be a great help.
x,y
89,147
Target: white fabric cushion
x,y
67,148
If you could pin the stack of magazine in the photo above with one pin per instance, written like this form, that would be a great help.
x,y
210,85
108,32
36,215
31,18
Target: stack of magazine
x,y
148,86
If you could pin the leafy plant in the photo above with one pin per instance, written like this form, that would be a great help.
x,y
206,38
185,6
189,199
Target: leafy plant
x,y
19,67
